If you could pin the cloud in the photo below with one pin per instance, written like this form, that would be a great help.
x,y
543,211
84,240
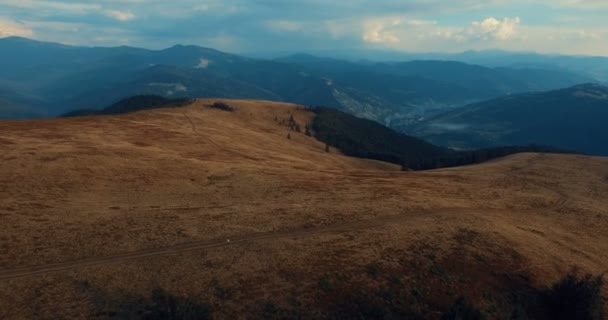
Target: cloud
x,y
504,29
579,4
13,28
413,34
382,31
300,25
58,6
122,16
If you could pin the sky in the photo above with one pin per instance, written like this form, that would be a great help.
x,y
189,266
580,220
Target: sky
x,y
547,26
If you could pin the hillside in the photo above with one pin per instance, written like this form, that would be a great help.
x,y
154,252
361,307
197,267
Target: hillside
x,y
367,139
571,119
222,214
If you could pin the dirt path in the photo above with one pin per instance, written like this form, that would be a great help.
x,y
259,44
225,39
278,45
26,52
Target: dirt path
x,y
246,238
199,245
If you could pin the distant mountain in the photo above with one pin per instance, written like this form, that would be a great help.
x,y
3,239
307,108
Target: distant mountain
x,y
20,105
572,119
591,66
486,82
63,78
167,81
323,64
430,86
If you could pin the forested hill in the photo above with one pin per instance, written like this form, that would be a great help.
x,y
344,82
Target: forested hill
x,y
367,139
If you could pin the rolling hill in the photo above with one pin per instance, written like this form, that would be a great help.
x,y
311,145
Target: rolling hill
x,y
354,136
200,211
571,119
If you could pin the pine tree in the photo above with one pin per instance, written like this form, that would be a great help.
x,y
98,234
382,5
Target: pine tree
x,y
307,129
327,148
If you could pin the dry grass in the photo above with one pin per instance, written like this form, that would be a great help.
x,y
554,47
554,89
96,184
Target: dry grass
x,y
78,188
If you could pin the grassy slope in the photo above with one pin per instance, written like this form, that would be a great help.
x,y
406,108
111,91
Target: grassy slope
x,y
101,186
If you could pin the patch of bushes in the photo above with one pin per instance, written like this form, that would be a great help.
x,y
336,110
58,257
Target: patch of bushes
x,y
163,305
160,305
575,297
462,310
222,106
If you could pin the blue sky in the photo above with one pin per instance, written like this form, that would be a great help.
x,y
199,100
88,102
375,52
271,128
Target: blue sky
x,y
554,26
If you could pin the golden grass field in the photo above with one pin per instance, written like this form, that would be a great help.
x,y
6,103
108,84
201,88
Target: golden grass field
x,y
96,208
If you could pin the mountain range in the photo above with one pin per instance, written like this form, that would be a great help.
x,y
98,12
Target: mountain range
x,y
453,104
53,79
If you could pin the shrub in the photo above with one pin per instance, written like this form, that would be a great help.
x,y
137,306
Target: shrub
x,y
326,285
374,270
222,106
159,305
575,297
308,133
462,310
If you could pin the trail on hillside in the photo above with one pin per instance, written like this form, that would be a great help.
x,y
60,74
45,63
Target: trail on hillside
x,y
260,236
231,241
199,245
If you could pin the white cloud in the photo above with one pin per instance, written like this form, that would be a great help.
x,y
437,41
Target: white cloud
x,y
12,28
122,16
382,31
71,7
247,25
492,28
